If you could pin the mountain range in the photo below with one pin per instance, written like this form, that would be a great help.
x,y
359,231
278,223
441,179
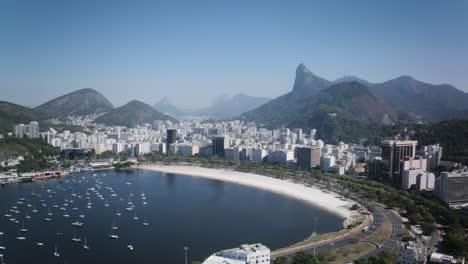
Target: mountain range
x,y
224,107
352,106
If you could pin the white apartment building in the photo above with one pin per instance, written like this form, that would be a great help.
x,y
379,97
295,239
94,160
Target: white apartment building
x,y
419,177
250,254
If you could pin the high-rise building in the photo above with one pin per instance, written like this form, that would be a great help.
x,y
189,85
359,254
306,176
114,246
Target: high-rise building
x,y
393,153
452,187
33,130
19,131
219,144
171,136
308,157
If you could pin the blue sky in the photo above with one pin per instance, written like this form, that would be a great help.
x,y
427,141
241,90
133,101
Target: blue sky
x,y
193,51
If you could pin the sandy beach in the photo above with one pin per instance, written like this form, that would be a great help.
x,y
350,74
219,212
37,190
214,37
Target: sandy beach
x,y
326,200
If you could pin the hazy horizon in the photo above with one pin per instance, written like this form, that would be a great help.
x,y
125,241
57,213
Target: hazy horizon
x,y
148,50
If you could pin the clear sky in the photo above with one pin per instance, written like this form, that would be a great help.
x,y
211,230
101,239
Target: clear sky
x,y
193,51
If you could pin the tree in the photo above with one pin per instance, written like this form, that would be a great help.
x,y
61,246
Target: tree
x,y
280,260
304,258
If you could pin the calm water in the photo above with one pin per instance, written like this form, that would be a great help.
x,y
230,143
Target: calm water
x,y
205,215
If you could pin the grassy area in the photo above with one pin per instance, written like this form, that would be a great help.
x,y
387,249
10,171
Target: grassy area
x,y
349,252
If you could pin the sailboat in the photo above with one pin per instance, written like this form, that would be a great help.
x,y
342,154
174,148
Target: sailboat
x,y
85,246
20,237
27,215
113,234
114,226
56,254
23,229
75,238
77,223
135,216
2,247
118,213
145,223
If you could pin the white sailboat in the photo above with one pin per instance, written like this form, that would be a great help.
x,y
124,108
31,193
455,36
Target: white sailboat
x,y
145,223
85,246
56,254
23,229
2,247
20,237
75,238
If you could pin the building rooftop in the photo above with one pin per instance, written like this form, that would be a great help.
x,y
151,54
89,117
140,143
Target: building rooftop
x,y
220,260
248,248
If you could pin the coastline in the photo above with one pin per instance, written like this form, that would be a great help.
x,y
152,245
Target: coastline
x,y
325,200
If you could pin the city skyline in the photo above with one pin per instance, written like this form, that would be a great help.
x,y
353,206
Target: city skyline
x,y
194,53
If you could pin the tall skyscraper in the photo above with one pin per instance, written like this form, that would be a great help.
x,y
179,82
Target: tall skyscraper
x,y
33,130
171,136
308,157
219,144
393,153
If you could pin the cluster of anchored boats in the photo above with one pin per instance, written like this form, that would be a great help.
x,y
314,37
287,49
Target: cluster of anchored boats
x,y
43,206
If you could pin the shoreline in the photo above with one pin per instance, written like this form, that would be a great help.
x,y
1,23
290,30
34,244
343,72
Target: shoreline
x,y
312,195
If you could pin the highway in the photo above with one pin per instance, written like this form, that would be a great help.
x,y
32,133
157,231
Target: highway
x,y
378,214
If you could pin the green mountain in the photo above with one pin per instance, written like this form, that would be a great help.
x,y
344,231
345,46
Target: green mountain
x,y
340,111
346,112
423,101
14,147
357,99
279,111
132,114
82,102
12,114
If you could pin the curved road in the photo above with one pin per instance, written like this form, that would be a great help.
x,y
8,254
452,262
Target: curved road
x,y
378,215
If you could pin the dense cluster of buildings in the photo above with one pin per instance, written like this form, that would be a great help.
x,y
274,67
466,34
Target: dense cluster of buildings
x,y
401,162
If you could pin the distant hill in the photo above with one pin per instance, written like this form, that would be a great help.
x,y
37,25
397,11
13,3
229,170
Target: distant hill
x,y
232,106
132,114
82,102
167,107
423,101
12,114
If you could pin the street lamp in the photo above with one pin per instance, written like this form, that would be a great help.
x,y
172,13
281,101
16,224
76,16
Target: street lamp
x,y
186,250
315,235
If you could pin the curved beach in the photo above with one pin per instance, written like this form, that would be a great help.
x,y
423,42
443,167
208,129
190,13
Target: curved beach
x,y
326,200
